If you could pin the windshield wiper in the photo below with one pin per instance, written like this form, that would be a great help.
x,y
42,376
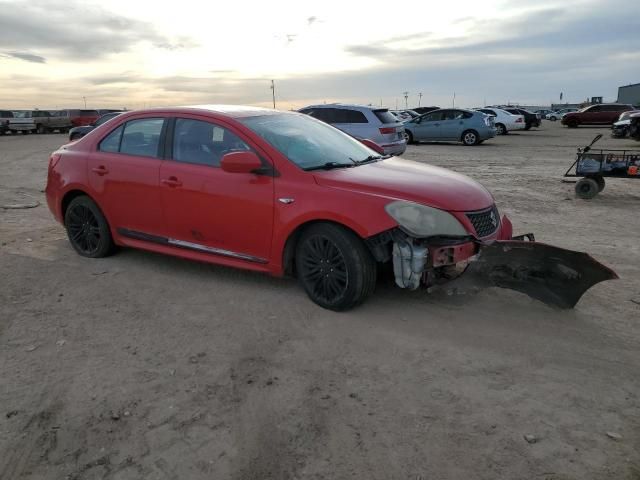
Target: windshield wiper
x,y
371,158
330,166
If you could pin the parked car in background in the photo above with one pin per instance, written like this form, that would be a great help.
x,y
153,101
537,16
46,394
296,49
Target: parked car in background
x,y
401,115
543,112
5,115
558,114
634,127
530,119
620,129
38,121
362,122
104,111
423,110
78,132
457,125
77,117
503,120
404,115
601,114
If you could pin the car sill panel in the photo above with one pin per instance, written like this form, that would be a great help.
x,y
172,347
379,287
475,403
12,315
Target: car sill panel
x,y
125,232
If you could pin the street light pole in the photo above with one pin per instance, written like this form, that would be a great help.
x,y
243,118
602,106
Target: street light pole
x,y
273,94
406,98
419,99
85,102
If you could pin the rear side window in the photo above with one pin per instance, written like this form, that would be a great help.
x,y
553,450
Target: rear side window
x,y
5,114
142,137
111,143
137,137
385,116
88,113
432,117
488,112
350,116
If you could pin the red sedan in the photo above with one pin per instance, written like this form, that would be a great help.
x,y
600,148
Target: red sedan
x,y
277,192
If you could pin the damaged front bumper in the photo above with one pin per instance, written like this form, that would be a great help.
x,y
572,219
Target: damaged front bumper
x,y
553,275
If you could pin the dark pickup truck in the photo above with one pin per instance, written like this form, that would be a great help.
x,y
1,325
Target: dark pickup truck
x,y
601,114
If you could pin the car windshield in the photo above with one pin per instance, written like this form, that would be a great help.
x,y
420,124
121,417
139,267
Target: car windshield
x,y
307,142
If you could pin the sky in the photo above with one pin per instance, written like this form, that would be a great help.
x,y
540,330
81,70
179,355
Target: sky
x,y
140,53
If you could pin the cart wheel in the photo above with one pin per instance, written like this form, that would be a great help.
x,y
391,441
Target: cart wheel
x,y
587,188
600,182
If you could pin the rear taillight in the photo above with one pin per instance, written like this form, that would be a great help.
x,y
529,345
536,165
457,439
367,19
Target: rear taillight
x,y
387,130
519,120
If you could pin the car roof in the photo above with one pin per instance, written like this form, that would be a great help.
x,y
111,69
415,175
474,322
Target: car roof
x,y
347,105
234,111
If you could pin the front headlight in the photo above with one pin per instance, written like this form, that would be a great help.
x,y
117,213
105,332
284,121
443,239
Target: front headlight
x,y
422,221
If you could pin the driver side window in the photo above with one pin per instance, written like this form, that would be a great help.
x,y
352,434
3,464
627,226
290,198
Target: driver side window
x,y
203,143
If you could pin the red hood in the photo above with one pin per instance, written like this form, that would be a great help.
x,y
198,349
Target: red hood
x,y
406,180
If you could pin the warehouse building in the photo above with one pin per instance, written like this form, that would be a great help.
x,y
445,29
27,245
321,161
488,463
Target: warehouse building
x,y
629,94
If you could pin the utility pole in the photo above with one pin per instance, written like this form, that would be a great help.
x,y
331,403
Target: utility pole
x,y
406,98
419,99
273,94
85,102
396,103
454,99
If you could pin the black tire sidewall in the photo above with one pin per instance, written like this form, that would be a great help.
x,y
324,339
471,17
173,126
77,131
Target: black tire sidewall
x,y
583,192
106,241
499,127
360,265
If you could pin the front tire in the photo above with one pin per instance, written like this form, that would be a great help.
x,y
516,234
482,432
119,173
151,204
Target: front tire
x,y
501,129
587,188
408,136
334,267
572,124
470,137
88,229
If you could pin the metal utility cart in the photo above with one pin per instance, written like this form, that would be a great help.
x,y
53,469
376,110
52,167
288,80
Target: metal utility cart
x,y
596,164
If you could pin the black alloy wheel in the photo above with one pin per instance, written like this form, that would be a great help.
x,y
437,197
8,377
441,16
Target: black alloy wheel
x,y
334,266
87,228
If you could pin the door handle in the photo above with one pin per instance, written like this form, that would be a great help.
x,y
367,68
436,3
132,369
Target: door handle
x,y
172,182
101,170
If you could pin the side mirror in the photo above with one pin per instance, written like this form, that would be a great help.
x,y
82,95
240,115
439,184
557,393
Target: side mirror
x,y
372,145
240,162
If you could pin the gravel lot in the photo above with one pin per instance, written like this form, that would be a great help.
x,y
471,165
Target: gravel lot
x,y
144,366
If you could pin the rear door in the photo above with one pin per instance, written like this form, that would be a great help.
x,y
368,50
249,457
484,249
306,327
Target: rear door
x,y
210,210
124,175
452,124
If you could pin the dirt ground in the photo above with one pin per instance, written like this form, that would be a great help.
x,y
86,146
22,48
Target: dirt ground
x,y
145,366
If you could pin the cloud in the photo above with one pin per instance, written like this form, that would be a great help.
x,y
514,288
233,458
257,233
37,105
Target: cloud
x,y
311,20
27,57
88,33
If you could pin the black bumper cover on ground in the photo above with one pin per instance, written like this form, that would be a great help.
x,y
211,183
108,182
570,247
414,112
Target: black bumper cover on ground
x,y
553,275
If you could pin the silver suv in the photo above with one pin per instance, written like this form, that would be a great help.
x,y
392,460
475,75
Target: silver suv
x,y
361,122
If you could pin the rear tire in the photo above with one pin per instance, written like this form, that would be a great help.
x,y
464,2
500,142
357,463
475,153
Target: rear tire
x,y
40,129
470,137
587,188
334,267
501,129
88,229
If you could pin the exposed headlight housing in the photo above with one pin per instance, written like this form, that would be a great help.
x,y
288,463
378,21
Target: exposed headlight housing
x,y
422,221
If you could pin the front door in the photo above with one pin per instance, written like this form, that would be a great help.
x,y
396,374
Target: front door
x,y
123,174
429,127
210,210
